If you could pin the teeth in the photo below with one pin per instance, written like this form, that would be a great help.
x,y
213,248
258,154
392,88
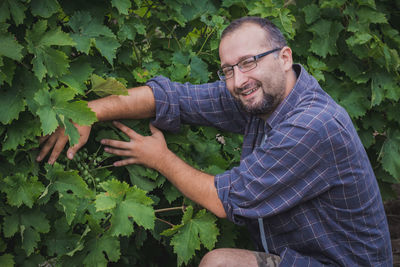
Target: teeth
x,y
251,91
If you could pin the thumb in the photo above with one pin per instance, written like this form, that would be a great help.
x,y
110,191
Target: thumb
x,y
154,130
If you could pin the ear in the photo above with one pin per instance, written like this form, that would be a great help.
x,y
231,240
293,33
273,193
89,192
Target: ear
x,y
285,56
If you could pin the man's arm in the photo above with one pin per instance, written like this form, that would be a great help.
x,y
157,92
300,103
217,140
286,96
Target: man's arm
x,y
152,151
138,104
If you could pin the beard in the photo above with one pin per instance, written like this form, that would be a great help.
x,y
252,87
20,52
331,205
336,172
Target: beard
x,y
268,103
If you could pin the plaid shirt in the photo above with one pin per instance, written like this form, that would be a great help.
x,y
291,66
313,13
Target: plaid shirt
x,y
303,170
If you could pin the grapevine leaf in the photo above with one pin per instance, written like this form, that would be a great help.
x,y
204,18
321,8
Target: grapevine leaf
x,y
98,247
71,188
7,260
11,104
125,203
88,31
26,128
325,35
21,189
53,105
108,47
312,13
109,86
10,47
7,71
44,8
46,59
195,231
198,69
390,154
14,8
60,241
122,6
359,38
80,71
29,223
383,86
77,111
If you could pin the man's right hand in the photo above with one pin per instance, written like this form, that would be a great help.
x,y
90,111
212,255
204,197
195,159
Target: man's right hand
x,y
57,142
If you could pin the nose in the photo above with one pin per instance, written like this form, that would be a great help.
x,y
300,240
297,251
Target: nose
x,y
239,77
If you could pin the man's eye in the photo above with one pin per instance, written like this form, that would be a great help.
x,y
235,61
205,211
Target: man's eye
x,y
247,63
227,71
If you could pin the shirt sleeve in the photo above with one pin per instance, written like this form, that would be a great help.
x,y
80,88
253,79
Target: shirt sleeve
x,y
286,169
208,104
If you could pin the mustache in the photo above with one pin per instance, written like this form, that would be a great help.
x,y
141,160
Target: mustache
x,y
239,90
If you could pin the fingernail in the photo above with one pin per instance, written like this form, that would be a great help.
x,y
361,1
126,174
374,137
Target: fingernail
x,y
70,155
102,141
38,158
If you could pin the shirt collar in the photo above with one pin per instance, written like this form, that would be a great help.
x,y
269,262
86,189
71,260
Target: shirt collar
x,y
290,101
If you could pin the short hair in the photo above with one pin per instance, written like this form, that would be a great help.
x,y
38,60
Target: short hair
x,y
274,36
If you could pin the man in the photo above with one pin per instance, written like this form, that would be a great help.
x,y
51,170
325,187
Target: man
x,y
304,186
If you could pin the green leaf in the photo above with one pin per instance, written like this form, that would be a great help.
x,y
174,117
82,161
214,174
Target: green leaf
x,y
199,70
383,86
125,202
30,223
194,231
14,9
100,247
326,33
7,260
26,128
312,13
48,60
44,8
88,31
55,105
11,104
109,86
7,71
71,188
60,241
359,39
390,154
122,6
80,72
10,47
21,189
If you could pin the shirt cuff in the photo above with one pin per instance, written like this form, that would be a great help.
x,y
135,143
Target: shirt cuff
x,y
223,184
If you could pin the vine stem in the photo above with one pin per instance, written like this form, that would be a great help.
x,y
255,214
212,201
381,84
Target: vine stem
x,y
169,209
204,43
164,221
103,167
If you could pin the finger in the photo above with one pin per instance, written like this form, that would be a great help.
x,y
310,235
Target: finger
x,y
128,131
125,162
118,152
116,143
73,149
46,148
58,148
43,138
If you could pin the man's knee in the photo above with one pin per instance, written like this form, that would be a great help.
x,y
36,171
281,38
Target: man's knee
x,y
213,258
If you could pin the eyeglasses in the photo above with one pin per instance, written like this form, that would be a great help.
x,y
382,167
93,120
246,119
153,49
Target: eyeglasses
x,y
244,65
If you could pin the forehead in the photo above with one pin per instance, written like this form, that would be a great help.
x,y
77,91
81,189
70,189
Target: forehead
x,y
248,40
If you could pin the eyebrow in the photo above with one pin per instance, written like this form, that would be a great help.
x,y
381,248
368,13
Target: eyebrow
x,y
240,59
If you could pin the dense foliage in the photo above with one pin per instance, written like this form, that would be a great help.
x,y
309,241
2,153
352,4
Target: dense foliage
x,y
55,55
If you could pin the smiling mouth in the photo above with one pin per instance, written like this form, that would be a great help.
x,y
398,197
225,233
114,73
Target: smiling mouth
x,y
250,91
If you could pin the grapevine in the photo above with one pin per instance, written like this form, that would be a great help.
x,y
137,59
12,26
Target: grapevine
x,y
57,55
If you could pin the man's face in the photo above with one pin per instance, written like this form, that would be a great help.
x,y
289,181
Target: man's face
x,y
261,89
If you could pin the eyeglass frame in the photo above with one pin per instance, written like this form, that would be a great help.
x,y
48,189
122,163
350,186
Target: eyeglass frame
x,y
221,73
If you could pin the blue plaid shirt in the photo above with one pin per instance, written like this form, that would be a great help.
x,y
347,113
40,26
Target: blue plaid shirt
x,y
303,170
